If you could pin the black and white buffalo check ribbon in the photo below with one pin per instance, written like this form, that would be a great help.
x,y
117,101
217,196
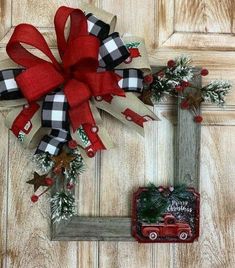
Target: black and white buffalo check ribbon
x,y
132,79
112,52
9,89
97,27
54,116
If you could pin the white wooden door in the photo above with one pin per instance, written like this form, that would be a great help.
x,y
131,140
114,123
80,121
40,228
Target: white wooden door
x,y
203,29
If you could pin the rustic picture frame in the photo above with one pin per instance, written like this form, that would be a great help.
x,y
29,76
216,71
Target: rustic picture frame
x,y
186,170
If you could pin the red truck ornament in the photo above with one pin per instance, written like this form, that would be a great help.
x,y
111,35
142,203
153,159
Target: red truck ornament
x,y
165,214
168,228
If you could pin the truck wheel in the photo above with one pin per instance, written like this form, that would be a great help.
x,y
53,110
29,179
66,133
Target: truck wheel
x,y
153,236
183,236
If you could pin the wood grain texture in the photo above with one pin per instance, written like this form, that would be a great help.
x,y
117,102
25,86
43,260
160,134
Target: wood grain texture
x,y
3,191
159,161
131,18
188,140
164,20
216,245
45,11
28,237
122,171
200,41
5,17
210,16
93,228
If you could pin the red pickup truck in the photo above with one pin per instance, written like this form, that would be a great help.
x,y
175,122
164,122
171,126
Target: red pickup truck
x,y
168,228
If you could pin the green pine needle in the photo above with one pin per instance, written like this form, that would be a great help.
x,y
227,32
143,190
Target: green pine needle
x,y
43,162
152,204
62,206
216,91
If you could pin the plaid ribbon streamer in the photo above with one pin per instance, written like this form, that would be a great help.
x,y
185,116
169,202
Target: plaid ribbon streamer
x,y
97,27
112,52
9,90
132,79
54,115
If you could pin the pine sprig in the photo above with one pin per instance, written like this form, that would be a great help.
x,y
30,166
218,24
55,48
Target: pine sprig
x,y
216,91
77,167
182,71
152,203
176,80
43,162
166,80
62,206
133,45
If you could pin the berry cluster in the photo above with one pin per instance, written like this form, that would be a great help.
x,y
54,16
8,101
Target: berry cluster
x,y
64,167
176,80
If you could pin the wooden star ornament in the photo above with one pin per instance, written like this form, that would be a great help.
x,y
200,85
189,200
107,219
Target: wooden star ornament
x,y
195,99
63,160
38,181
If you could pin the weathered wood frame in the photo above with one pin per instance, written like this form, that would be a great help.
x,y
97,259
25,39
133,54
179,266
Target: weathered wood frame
x,y
187,164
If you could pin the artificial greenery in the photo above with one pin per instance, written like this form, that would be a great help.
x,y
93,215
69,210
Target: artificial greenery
x,y
83,136
178,75
43,162
216,91
153,202
62,206
133,45
175,78
76,168
62,202
167,79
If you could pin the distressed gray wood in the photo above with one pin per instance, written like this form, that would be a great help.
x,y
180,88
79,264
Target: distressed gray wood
x,y
95,228
187,143
187,162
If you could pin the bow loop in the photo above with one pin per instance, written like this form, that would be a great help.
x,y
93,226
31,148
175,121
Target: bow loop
x,y
82,52
78,26
29,79
29,35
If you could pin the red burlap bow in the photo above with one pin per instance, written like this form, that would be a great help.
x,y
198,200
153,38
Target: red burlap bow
x,y
77,72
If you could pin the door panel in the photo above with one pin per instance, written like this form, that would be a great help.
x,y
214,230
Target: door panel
x,y
201,28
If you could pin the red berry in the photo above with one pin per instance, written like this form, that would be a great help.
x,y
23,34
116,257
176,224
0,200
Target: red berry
x,y
49,181
90,153
184,105
179,88
160,189
184,83
57,170
204,72
171,63
148,79
160,74
72,144
70,186
198,119
34,198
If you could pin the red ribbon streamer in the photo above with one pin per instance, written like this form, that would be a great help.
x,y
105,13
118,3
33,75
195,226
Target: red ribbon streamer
x,y
77,72
23,118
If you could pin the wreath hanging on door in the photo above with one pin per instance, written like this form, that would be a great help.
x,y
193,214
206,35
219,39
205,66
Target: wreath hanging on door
x,y
56,103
